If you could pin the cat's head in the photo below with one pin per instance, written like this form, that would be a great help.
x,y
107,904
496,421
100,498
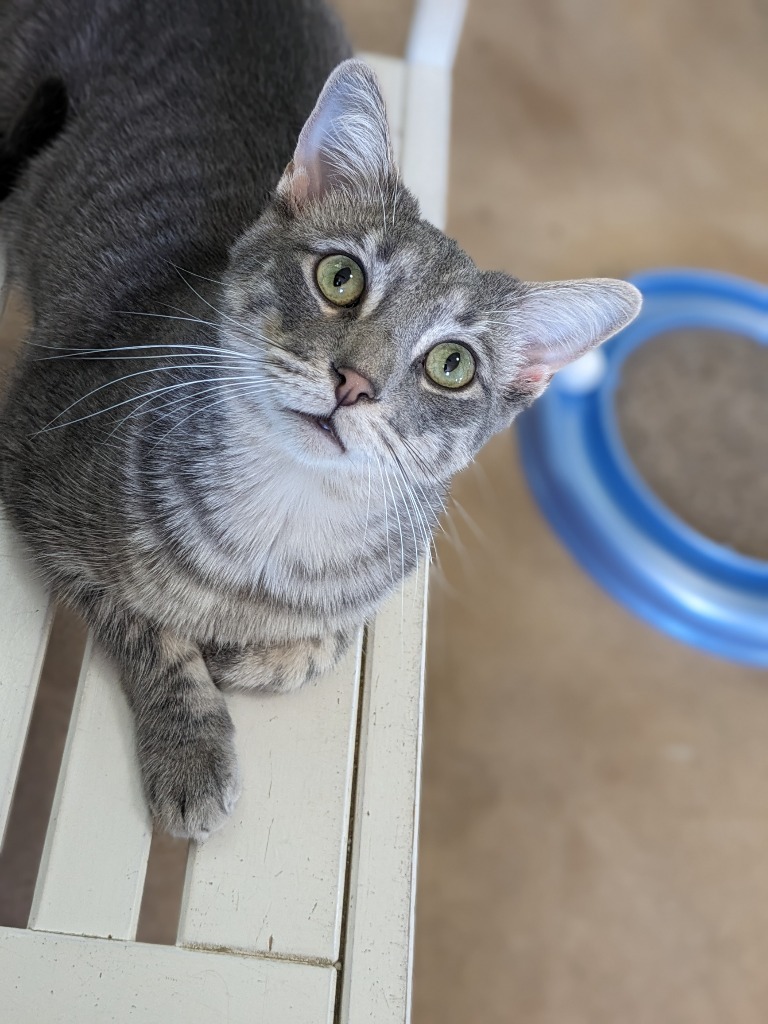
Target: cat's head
x,y
380,337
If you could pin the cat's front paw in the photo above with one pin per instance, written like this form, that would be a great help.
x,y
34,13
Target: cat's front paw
x,y
193,787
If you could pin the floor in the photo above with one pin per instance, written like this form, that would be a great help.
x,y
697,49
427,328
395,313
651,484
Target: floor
x,y
595,820
594,842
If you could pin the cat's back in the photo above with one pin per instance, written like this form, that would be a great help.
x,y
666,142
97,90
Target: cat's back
x,y
182,114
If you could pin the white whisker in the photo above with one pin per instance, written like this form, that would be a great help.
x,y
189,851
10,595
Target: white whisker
x,y
367,515
186,351
167,316
213,384
250,389
192,273
386,519
133,398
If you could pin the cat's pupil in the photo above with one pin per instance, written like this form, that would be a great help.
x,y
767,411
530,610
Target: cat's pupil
x,y
452,362
342,276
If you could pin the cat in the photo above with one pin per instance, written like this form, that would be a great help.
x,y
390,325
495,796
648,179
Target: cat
x,y
252,370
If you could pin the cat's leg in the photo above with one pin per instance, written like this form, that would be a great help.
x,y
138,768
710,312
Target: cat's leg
x,y
277,669
184,733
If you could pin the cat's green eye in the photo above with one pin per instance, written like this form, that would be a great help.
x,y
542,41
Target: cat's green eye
x,y
450,365
340,279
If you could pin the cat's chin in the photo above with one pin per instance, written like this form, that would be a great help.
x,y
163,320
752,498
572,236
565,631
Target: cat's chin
x,y
322,431
313,440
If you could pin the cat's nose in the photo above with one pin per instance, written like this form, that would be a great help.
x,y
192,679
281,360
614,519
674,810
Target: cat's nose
x,y
352,386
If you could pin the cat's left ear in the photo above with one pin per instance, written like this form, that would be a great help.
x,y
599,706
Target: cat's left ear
x,y
345,144
554,323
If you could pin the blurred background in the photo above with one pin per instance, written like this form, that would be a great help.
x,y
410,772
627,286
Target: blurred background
x,y
594,843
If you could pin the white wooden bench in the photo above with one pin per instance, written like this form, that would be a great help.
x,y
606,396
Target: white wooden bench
x,y
300,911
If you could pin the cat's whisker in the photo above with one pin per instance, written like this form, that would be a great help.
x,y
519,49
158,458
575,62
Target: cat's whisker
x,y
186,351
419,509
192,273
219,312
119,380
172,403
398,472
167,316
133,398
423,466
250,332
386,519
367,516
402,559
399,524
475,529
421,516
249,389
397,465
165,408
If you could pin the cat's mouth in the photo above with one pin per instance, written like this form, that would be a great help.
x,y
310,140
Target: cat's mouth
x,y
322,424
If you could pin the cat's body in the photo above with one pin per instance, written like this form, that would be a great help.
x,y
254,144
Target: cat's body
x,y
221,467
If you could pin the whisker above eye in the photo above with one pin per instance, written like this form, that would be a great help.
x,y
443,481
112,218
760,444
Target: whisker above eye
x,y
243,327
210,304
191,273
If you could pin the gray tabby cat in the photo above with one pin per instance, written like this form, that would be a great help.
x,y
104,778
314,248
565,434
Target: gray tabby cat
x,y
253,369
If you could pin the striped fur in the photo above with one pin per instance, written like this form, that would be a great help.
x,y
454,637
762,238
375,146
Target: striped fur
x,y
151,452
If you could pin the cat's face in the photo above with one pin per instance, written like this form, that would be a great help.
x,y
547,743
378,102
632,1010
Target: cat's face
x,y
381,340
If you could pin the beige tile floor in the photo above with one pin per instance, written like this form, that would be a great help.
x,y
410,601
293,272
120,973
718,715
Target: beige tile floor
x,y
594,846
595,825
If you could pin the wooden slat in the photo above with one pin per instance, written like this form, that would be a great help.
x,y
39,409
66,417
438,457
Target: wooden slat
x,y
26,612
435,32
378,949
92,871
62,979
378,946
273,879
426,136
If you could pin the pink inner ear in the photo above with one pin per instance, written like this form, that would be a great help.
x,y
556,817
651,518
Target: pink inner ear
x,y
294,185
535,374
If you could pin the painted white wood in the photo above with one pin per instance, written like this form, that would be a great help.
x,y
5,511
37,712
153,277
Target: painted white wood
x,y
25,621
64,979
378,951
272,880
377,967
426,135
435,32
92,871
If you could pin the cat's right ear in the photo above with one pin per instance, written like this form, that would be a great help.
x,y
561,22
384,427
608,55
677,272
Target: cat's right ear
x,y
345,144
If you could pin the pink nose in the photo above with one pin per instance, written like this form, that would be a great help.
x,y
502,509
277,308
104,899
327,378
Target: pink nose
x,y
352,386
